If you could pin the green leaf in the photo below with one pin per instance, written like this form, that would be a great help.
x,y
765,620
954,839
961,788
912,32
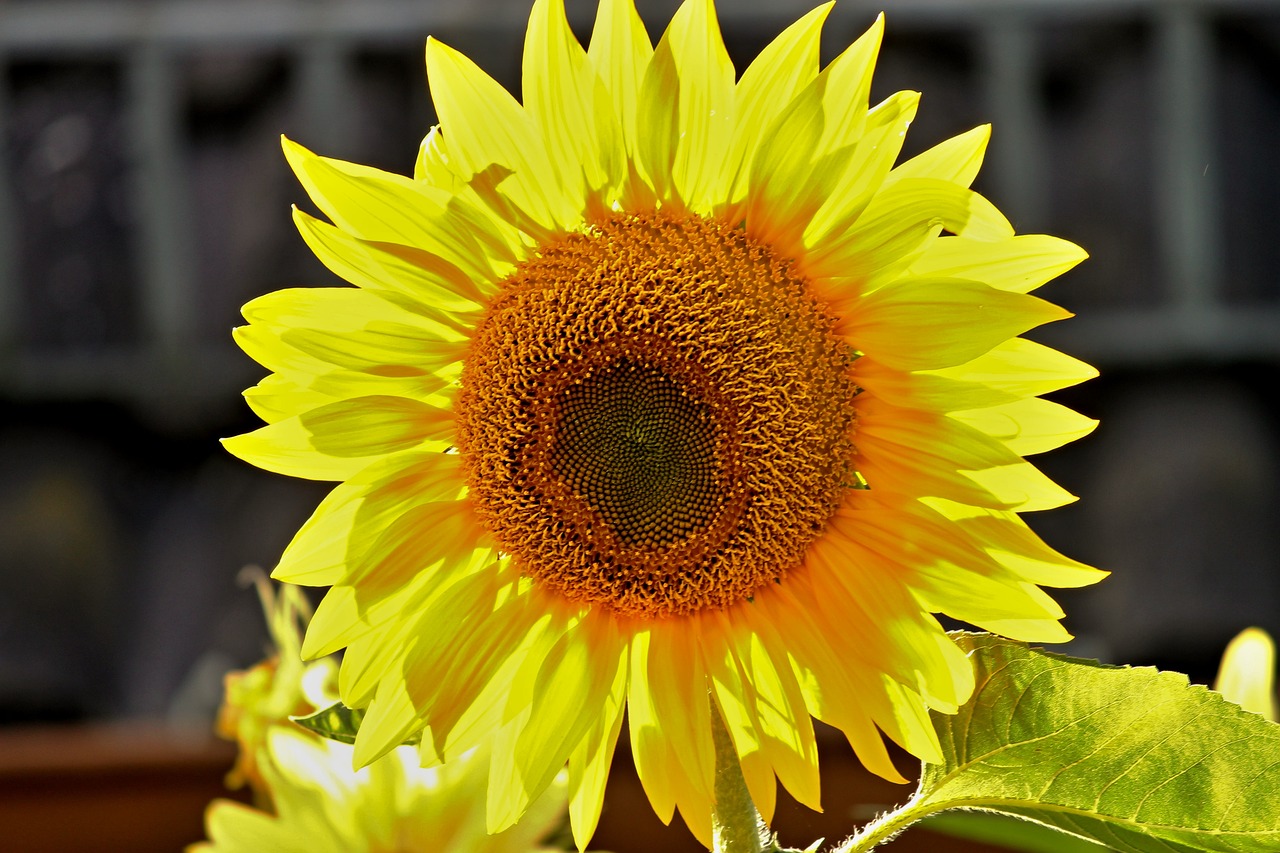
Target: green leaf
x,y
1008,832
340,723
337,722
1133,758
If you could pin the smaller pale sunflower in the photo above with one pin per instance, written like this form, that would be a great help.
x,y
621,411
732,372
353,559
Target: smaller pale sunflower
x,y
323,806
269,692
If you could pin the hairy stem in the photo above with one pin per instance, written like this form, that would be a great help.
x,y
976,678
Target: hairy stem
x,y
883,828
735,824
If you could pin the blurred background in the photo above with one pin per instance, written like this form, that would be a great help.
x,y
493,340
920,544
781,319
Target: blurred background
x,y
143,199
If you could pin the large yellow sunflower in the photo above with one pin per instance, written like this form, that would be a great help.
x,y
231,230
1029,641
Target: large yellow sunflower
x,y
666,393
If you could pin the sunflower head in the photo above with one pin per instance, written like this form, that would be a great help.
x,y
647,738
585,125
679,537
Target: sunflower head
x,y
664,383
694,434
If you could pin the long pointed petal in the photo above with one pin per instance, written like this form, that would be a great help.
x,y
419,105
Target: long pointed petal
x,y
487,127
686,108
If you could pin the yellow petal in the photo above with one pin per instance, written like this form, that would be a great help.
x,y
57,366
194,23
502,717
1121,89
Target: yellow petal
x,y
898,222
343,618
865,161
950,574
1022,487
905,718
678,682
438,537
649,744
590,760
488,127
1019,264
437,387
432,164
338,309
786,186
465,636
826,675
1022,613
771,81
924,324
1029,426
264,346
573,683
920,390
502,239
735,703
237,828
857,696
957,160
322,549
437,287
570,106
777,708
620,52
375,426
669,716
339,440
355,330
868,691
335,624
308,378
1022,368
1011,543
686,109
695,808
368,660
808,186
497,704
277,397
864,582
388,721
382,207
389,352
847,87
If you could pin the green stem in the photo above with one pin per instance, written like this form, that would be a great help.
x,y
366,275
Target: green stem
x,y
736,826
883,828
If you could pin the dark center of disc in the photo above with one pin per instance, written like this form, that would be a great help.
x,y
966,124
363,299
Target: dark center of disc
x,y
638,449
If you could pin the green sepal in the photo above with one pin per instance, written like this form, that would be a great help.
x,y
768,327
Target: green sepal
x,y
340,723
337,722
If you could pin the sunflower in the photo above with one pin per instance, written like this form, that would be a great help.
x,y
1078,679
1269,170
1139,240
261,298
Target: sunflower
x,y
269,692
322,806
664,393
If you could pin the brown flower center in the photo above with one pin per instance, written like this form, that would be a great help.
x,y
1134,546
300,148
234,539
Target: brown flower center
x,y
656,416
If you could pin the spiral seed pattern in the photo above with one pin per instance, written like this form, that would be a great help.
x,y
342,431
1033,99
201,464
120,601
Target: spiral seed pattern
x,y
656,415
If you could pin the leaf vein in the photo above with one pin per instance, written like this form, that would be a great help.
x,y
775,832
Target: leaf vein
x,y
1244,790
1146,713
1186,770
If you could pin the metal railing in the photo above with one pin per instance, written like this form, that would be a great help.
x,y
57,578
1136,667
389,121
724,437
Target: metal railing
x,y
1190,320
